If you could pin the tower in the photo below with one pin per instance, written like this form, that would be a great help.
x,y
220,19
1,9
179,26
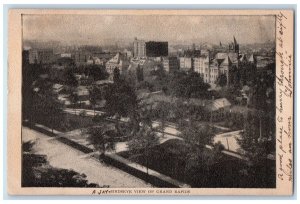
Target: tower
x,y
139,48
234,46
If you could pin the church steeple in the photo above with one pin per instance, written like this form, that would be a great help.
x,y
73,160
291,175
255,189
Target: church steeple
x,y
234,40
234,46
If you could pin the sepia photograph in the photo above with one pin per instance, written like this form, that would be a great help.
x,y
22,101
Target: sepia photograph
x,y
154,100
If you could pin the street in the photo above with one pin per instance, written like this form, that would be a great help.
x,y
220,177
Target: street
x,y
63,156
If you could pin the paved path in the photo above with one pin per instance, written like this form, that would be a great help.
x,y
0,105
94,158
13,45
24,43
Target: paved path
x,y
81,138
88,112
170,128
63,156
228,139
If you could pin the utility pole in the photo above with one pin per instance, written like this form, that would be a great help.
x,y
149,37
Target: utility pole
x,y
213,98
227,143
260,136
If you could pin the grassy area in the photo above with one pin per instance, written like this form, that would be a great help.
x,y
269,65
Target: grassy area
x,y
242,109
65,122
210,169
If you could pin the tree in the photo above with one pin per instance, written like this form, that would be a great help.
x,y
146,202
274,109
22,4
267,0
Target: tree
x,y
247,72
74,100
222,80
121,101
234,76
253,143
195,135
255,146
36,172
143,140
160,72
95,94
101,137
46,106
51,107
70,78
139,74
98,72
188,85
30,76
161,112
196,138
229,92
116,74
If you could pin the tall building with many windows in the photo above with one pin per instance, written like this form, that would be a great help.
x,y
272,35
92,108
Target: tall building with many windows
x,y
201,66
170,64
185,63
156,49
139,48
41,56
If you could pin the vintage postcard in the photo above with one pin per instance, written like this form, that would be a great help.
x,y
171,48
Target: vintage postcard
x,y
150,102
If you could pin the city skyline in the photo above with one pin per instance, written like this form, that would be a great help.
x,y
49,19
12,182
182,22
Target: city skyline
x,y
108,30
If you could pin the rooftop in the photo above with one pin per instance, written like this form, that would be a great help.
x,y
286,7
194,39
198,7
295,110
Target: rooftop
x,y
218,104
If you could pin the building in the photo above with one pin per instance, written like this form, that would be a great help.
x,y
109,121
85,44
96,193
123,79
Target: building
x,y
41,56
149,49
156,49
118,61
213,72
128,53
135,73
223,62
57,88
201,66
25,57
94,61
139,48
104,56
170,64
33,56
83,95
80,57
66,55
192,52
234,46
65,61
265,64
185,63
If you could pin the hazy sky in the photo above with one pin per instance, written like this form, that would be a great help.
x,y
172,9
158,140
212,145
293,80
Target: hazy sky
x,y
104,30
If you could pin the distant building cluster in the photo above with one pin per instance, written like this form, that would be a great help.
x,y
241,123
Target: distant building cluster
x,y
149,49
120,62
208,64
45,56
145,56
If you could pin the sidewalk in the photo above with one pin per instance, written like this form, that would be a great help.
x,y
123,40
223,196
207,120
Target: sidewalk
x,y
76,140
61,155
140,171
228,139
80,138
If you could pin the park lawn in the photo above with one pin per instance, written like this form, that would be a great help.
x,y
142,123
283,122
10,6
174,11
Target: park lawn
x,y
65,122
170,158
